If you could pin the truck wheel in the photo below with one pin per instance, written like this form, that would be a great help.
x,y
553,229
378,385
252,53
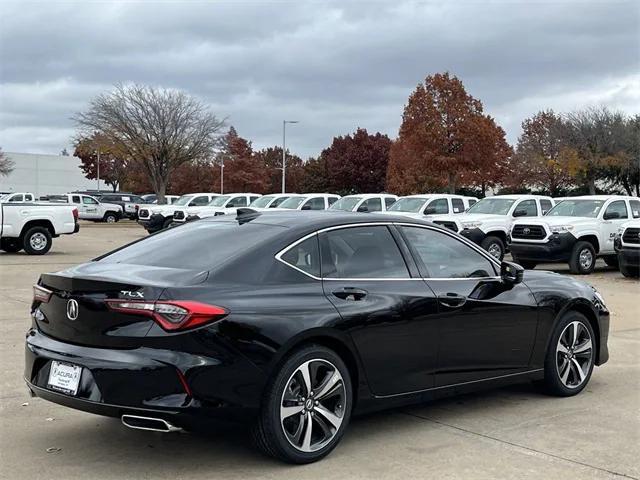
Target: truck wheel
x,y
37,241
110,217
494,246
10,245
629,271
167,223
526,264
611,260
583,258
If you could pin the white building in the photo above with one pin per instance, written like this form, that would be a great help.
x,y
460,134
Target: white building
x,y
44,174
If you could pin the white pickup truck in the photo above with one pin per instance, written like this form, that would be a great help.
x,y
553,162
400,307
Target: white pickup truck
x,y
430,206
488,222
90,208
32,226
18,197
157,217
576,231
220,205
627,244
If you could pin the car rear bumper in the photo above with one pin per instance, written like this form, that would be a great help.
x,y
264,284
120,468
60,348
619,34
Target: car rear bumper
x,y
557,249
159,383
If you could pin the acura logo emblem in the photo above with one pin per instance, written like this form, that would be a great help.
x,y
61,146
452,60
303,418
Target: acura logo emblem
x,y
526,230
72,309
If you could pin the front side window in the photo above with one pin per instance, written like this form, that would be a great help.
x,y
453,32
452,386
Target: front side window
x,y
389,201
443,256
576,208
199,201
372,205
437,206
617,207
89,201
304,256
458,205
526,208
492,206
635,208
314,204
332,200
237,202
361,252
408,204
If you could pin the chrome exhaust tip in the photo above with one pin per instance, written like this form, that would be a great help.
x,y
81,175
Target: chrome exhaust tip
x,y
148,423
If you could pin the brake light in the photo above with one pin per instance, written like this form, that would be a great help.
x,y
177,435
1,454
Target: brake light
x,y
172,315
41,294
75,213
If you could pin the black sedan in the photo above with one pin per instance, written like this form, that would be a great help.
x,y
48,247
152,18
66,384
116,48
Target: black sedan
x,y
294,321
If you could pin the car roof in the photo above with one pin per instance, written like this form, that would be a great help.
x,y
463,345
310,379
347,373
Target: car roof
x,y
602,197
520,196
312,195
370,195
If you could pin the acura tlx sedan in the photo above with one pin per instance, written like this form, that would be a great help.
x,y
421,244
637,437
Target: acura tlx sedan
x,y
295,321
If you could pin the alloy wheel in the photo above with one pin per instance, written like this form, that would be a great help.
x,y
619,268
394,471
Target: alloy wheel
x,y
312,405
38,241
574,354
585,258
495,250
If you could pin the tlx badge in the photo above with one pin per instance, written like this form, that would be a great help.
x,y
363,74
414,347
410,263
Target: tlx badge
x,y
131,294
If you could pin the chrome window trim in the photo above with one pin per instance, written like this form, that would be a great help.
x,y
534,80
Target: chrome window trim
x,y
455,236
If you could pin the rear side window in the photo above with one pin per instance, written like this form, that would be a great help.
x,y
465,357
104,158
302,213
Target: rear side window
x,y
199,201
304,256
75,198
361,252
200,245
635,208
458,205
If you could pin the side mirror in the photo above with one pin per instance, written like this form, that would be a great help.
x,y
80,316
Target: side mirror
x,y
230,205
611,215
511,273
520,213
430,210
363,208
306,207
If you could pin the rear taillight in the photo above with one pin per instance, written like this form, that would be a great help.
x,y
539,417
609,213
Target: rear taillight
x,y
75,214
41,294
172,315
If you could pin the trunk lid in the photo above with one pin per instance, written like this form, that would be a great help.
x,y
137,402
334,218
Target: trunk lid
x,y
77,311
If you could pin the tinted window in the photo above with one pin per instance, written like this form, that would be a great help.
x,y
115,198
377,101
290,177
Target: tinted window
x,y
446,257
75,198
546,205
388,201
201,200
238,202
17,198
529,208
332,200
199,245
314,204
373,205
361,252
472,201
635,208
617,207
437,206
458,205
305,256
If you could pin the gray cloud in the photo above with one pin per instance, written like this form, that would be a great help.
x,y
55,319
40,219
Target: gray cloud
x,y
332,65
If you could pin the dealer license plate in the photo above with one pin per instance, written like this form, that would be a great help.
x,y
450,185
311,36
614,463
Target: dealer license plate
x,y
64,377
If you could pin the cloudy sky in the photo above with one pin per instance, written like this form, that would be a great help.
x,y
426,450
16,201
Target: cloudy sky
x,y
334,66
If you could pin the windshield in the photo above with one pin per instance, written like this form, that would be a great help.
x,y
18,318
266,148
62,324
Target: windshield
x,y
493,206
413,204
346,203
262,202
292,202
183,200
576,208
219,201
4,197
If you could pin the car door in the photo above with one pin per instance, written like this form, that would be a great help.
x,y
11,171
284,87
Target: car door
x,y
91,207
614,215
390,315
486,328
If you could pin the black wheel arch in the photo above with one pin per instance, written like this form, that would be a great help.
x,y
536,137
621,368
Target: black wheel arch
x,y
586,308
37,223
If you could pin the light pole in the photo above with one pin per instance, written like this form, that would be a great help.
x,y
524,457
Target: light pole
x,y
284,154
98,170
221,175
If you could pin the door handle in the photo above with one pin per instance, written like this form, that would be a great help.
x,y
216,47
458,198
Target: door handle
x,y
350,293
452,300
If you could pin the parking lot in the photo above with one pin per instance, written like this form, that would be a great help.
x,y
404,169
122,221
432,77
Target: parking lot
x,y
514,432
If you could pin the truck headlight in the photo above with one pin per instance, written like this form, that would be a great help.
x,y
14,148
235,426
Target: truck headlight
x,y
561,228
471,224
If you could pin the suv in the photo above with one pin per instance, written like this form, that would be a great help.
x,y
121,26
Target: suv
x,y
220,205
576,231
431,205
627,244
488,222
365,202
156,217
127,201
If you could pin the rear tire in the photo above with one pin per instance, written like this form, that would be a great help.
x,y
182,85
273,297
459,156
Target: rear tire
x,y
289,407
611,260
583,258
37,241
494,246
570,357
10,245
526,264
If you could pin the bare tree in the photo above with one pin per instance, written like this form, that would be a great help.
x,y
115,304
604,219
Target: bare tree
x,y
162,129
6,165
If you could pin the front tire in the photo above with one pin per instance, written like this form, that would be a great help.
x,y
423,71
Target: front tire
x,y
570,356
494,245
583,258
110,217
37,241
307,407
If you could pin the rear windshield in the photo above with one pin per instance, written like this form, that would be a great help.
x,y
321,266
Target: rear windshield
x,y
201,245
